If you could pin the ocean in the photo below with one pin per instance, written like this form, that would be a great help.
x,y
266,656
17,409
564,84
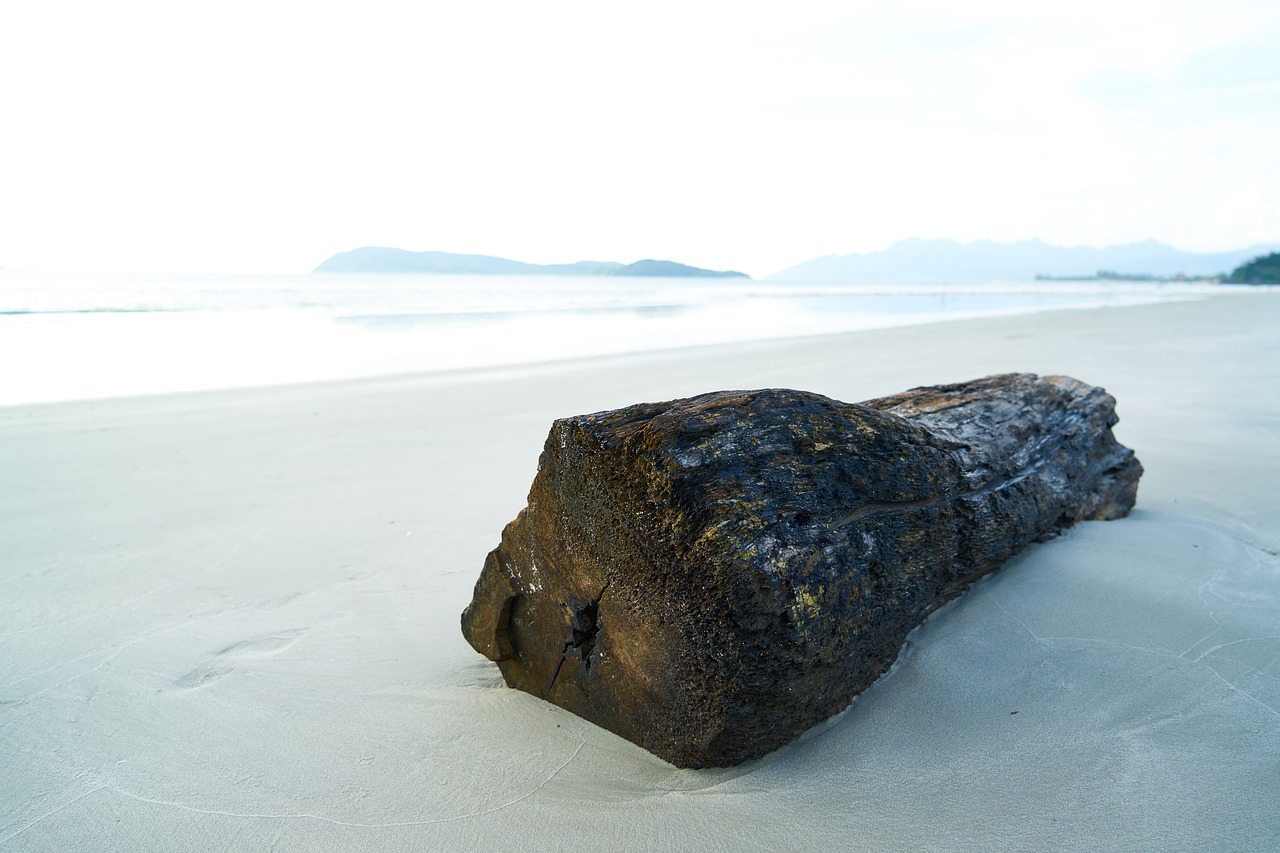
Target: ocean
x,y
71,337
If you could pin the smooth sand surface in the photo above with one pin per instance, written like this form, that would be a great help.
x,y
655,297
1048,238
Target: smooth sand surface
x,y
230,620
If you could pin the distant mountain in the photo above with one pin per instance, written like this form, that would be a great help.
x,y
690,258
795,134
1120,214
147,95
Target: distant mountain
x,y
929,261
372,259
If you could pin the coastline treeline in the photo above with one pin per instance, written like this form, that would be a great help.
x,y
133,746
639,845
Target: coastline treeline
x,y
1262,270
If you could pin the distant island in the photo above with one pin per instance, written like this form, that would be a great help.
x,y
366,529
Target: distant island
x,y
375,259
917,261
1111,275
1263,270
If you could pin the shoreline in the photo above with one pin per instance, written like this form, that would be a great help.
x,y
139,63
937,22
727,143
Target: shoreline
x,y
233,615
193,345
490,372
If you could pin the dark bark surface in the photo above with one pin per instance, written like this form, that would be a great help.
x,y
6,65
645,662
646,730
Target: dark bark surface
x,y
709,577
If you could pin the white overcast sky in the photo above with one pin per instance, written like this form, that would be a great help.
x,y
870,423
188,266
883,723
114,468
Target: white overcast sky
x,y
265,136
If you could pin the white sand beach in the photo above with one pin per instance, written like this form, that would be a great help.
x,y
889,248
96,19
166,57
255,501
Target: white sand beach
x,y
230,620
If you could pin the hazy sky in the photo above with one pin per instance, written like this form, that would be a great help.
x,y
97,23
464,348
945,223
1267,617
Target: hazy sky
x,y
265,136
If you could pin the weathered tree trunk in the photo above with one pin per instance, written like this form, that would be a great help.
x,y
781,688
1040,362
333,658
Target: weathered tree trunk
x,y
710,577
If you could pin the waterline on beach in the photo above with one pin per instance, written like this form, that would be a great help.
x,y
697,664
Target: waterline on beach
x,y
69,338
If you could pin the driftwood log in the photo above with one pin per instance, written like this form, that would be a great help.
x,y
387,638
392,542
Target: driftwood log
x,y
709,577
